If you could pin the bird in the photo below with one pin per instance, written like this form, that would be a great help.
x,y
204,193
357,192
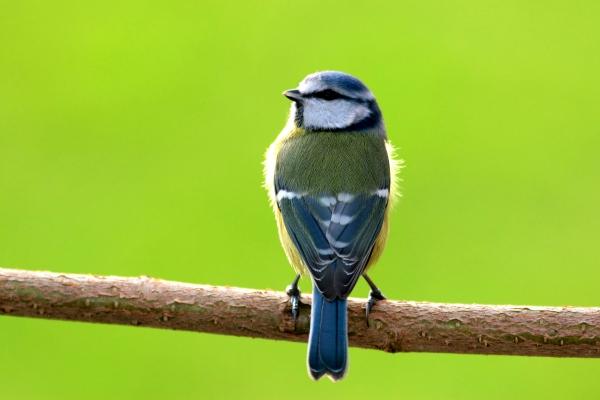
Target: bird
x,y
331,180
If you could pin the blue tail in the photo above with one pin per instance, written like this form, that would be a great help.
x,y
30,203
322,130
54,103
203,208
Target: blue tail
x,y
328,341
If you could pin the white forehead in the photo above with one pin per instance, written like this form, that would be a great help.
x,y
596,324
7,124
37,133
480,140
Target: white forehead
x,y
317,83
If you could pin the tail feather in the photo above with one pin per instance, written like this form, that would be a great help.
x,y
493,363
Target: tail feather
x,y
328,339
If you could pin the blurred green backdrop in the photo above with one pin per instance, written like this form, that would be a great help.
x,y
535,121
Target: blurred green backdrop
x,y
131,140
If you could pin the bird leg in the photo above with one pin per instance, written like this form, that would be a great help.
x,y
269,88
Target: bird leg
x,y
294,293
374,295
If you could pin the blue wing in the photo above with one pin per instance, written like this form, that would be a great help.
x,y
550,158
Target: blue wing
x,y
334,234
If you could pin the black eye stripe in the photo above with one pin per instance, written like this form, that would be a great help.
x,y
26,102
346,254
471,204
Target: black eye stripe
x,y
327,94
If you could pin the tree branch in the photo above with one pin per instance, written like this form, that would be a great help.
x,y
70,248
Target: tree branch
x,y
394,325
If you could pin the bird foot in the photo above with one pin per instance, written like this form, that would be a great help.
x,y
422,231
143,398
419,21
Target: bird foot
x,y
374,296
294,293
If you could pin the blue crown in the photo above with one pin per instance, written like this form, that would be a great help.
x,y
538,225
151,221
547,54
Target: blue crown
x,y
339,79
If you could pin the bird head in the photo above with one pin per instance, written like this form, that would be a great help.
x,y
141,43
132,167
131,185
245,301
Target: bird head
x,y
334,101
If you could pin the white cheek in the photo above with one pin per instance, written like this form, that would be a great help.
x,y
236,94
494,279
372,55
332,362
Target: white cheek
x,y
335,114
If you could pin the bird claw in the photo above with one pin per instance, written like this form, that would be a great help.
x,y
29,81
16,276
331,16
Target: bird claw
x,y
294,293
374,296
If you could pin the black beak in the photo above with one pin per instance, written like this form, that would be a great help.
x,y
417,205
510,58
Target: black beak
x,y
293,95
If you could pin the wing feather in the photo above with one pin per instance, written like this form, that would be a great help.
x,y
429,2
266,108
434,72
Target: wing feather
x,y
334,235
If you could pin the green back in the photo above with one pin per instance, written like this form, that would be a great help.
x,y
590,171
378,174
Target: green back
x,y
332,162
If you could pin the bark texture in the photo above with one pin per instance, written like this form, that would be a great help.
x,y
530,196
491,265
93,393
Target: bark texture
x,y
395,326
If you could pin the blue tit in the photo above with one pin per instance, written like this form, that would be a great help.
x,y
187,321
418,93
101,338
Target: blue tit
x,y
330,175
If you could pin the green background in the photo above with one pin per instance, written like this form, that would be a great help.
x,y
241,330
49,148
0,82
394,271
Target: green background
x,y
131,141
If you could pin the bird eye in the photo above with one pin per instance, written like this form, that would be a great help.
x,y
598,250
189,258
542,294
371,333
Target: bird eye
x,y
327,94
